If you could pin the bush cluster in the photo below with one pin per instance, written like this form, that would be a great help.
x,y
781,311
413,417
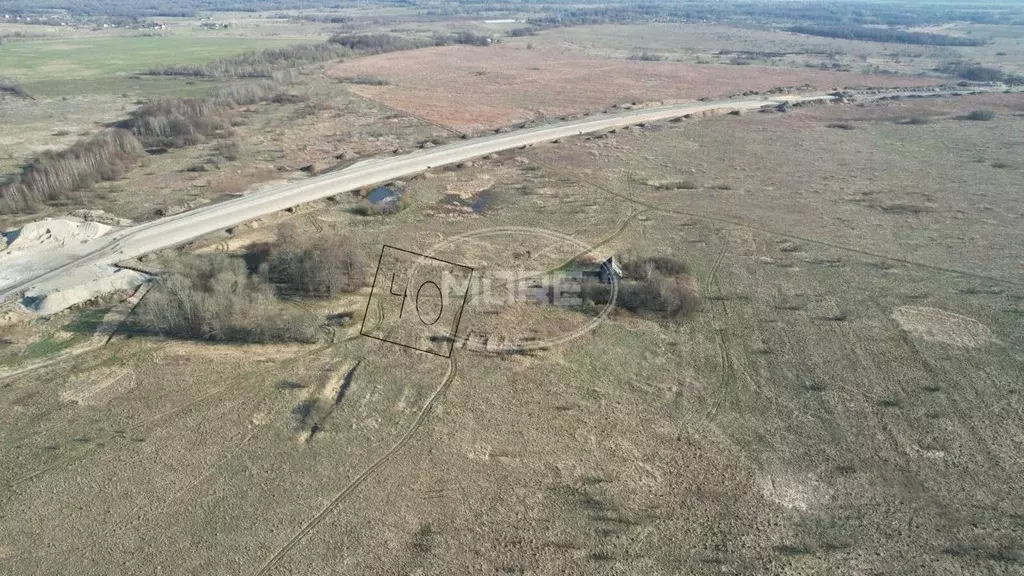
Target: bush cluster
x,y
656,285
215,297
972,72
981,115
226,298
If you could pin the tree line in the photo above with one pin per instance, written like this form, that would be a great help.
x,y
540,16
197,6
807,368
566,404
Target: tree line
x,y
56,175
268,62
107,156
872,34
571,12
257,64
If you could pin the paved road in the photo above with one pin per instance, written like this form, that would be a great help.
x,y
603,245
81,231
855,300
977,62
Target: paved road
x,y
181,228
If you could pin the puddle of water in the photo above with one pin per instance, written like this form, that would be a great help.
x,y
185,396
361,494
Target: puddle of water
x,y
479,203
382,194
482,201
11,235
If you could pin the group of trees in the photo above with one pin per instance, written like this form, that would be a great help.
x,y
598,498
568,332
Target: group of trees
x,y
377,43
381,43
54,176
320,269
257,64
106,156
215,297
176,122
165,8
221,297
564,12
268,62
810,12
973,72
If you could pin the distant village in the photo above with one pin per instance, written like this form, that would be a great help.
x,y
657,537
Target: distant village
x,y
128,23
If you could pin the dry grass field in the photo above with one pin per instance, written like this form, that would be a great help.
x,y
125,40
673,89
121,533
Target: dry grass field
x,y
845,401
846,398
472,88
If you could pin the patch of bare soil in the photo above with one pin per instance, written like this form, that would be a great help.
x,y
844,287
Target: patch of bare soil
x,y
471,88
794,491
941,326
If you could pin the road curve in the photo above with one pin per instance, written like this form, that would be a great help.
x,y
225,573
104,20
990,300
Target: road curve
x,y
178,229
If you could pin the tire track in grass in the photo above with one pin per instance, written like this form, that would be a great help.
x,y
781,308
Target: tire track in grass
x,y
358,480
723,346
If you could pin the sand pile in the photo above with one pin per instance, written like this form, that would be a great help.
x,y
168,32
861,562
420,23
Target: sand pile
x,y
54,233
48,244
100,281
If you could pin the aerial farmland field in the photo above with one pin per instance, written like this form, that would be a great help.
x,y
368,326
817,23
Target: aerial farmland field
x,y
321,288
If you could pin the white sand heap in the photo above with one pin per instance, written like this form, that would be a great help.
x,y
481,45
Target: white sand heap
x,y
48,244
52,298
55,233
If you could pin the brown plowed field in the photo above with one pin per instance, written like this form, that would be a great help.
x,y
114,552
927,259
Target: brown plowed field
x,y
469,88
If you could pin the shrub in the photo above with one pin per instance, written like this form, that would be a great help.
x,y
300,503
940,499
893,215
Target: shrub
x,y
228,150
981,115
216,298
678,185
470,38
312,108
642,267
667,296
244,94
12,87
286,98
656,285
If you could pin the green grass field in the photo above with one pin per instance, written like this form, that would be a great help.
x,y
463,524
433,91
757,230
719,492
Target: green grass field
x,y
99,65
